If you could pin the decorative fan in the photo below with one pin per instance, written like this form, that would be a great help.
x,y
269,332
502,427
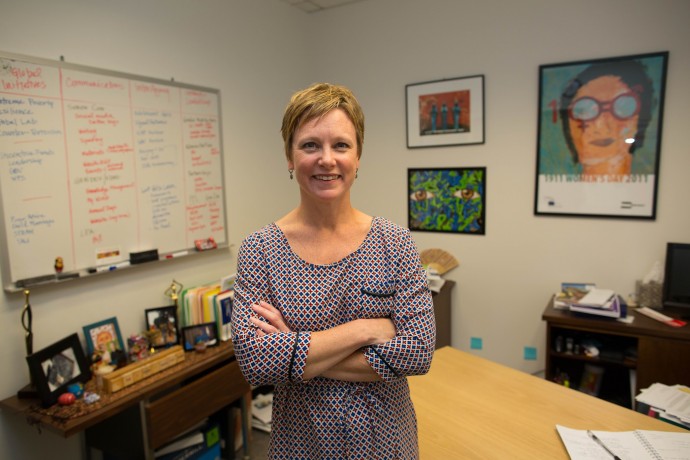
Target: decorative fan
x,y
438,259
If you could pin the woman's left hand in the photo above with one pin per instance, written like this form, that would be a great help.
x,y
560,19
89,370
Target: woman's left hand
x,y
275,323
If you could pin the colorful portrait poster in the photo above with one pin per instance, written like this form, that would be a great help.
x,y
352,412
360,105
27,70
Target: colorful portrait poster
x,y
451,200
599,136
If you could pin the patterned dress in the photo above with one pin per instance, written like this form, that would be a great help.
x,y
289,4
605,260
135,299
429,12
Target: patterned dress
x,y
324,418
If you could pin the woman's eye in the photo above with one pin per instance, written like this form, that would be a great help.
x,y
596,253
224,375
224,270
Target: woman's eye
x,y
421,195
466,194
342,146
311,146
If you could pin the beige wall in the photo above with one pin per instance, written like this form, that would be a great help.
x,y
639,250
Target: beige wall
x,y
258,52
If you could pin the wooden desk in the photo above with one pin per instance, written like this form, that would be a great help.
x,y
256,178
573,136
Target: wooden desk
x,y
153,411
468,407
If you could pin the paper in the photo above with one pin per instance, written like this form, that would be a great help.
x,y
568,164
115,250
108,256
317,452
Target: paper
x,y
672,401
596,297
580,446
627,445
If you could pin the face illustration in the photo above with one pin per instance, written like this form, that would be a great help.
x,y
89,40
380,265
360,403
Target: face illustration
x,y
603,120
324,156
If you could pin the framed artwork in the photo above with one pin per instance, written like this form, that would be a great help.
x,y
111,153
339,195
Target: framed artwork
x,y
103,337
599,137
448,200
56,367
161,325
200,336
445,112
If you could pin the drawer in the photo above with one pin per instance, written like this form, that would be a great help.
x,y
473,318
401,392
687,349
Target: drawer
x,y
178,411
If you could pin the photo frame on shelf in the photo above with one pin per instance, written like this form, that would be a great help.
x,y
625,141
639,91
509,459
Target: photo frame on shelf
x,y
445,112
447,200
599,136
57,366
161,326
200,336
103,337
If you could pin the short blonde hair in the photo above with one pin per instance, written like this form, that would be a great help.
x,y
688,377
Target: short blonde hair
x,y
316,101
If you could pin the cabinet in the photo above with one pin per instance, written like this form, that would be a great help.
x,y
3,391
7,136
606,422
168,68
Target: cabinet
x,y
442,314
133,422
631,356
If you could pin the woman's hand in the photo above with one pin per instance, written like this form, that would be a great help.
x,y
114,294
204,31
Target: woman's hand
x,y
275,323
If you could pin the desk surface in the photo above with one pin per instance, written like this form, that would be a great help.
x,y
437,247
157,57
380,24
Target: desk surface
x,y
53,420
469,407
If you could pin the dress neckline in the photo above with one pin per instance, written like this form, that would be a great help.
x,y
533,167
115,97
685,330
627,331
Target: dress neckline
x,y
346,258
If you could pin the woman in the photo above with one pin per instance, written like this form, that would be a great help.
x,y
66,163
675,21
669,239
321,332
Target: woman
x,y
331,305
605,113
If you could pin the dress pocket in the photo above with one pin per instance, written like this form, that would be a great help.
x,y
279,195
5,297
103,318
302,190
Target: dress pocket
x,y
378,299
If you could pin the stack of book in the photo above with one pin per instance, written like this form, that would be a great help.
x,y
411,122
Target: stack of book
x,y
600,302
670,403
209,303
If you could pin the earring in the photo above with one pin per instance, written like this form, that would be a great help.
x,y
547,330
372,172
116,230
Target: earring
x,y
356,173
290,170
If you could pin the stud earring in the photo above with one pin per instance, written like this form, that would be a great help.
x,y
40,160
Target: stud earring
x,y
290,170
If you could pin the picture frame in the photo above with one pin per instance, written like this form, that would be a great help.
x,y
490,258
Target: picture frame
x,y
104,337
161,325
54,368
447,200
445,112
200,336
599,137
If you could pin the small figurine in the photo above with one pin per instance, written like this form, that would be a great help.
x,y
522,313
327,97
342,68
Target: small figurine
x,y
59,264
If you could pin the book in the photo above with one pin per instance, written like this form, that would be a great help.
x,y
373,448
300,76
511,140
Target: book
x,y
614,308
670,402
571,293
596,297
223,305
636,444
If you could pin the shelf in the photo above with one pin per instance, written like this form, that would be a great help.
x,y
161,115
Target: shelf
x,y
629,364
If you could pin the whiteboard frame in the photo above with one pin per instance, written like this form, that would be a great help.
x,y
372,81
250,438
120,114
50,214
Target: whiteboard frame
x,y
5,263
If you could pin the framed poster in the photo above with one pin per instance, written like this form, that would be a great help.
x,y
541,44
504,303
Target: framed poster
x,y
599,136
445,112
448,200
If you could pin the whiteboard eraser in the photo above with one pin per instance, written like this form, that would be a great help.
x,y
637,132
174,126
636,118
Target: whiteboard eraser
x,y
143,256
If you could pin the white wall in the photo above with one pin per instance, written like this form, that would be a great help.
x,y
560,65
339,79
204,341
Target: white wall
x,y
258,52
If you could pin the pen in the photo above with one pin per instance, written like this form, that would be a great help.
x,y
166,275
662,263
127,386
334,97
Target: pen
x,y
601,443
109,268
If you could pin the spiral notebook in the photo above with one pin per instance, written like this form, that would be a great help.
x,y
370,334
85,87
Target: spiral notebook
x,y
626,445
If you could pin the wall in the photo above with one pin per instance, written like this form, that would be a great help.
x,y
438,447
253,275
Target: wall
x,y
258,52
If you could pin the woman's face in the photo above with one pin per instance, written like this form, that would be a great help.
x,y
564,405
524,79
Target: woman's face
x,y
325,156
602,117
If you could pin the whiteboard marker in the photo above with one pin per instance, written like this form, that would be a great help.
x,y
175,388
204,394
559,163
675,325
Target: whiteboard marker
x,y
177,254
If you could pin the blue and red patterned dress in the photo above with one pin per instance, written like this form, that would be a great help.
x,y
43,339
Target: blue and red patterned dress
x,y
323,418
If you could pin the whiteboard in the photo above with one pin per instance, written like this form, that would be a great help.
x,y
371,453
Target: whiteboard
x,y
96,165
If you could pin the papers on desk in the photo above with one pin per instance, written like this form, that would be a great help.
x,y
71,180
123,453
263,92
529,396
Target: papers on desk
x,y
672,402
625,445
